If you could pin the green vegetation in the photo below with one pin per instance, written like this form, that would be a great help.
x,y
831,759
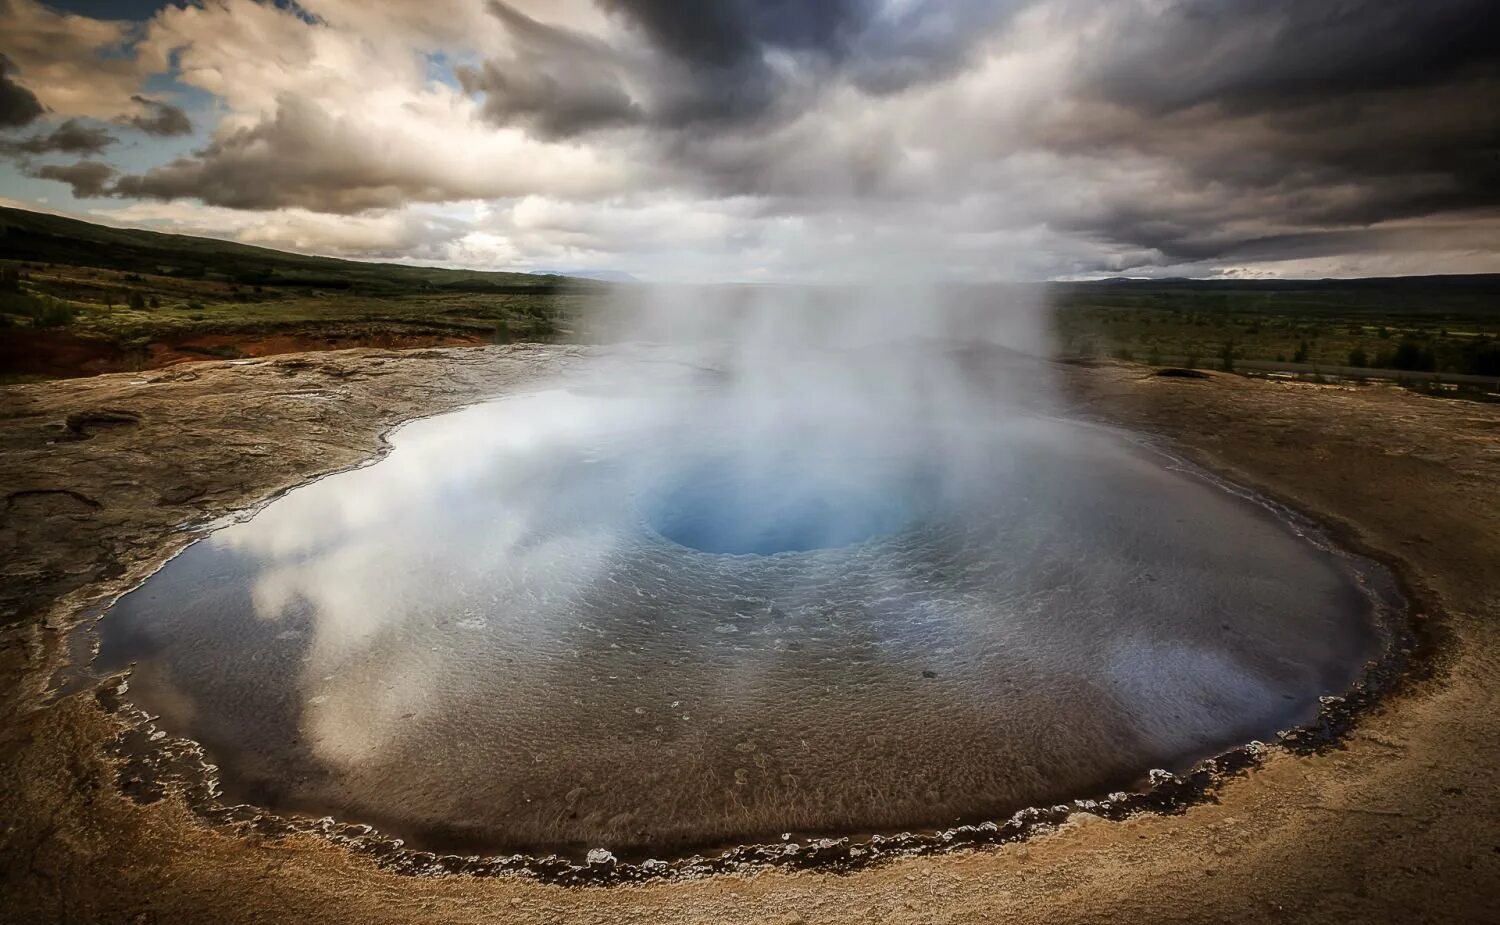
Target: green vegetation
x,y
40,310
146,257
1444,324
1226,357
134,294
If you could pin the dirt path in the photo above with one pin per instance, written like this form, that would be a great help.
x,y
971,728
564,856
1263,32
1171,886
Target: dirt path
x,y
1400,825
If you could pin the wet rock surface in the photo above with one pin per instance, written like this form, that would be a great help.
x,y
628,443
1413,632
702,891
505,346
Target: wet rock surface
x,y
1398,824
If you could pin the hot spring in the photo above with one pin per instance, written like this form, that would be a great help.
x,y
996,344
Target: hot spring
x,y
647,620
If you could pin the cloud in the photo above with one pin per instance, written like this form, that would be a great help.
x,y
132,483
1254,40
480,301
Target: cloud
x,y
885,47
1024,101
87,178
160,119
779,139
557,82
320,117
72,137
394,234
1280,54
76,65
18,105
681,65
349,160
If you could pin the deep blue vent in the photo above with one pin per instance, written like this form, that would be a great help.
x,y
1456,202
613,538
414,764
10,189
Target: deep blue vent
x,y
730,508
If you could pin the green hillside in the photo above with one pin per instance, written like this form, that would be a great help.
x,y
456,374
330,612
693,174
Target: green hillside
x,y
78,298
51,239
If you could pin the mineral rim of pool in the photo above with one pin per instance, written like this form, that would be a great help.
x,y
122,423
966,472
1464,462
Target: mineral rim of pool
x,y
551,623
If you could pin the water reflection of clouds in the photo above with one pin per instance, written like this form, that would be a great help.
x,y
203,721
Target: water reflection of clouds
x,y
482,512
491,626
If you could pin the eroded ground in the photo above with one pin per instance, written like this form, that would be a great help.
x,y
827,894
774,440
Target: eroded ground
x,y
99,475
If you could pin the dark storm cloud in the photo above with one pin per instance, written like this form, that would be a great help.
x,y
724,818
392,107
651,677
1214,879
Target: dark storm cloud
x,y
730,33
724,64
87,178
1294,115
18,105
1274,54
885,48
72,137
160,119
559,82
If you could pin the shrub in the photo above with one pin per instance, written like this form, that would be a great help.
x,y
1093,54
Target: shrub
x,y
44,311
54,313
1409,355
137,302
1358,359
1485,359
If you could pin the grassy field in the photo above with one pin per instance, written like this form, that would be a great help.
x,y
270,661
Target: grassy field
x,y
124,298
1444,324
79,298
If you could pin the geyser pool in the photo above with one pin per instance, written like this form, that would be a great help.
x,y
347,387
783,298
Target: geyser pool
x,y
561,621
724,504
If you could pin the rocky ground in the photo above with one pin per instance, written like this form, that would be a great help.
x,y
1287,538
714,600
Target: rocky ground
x,y
104,478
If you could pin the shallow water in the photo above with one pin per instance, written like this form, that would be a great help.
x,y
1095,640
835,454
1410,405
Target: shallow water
x,y
556,621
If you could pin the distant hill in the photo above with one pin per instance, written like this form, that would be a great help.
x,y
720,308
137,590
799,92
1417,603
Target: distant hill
x,y
1474,283
603,276
35,236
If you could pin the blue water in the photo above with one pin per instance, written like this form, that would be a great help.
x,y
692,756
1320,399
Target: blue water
x,y
721,505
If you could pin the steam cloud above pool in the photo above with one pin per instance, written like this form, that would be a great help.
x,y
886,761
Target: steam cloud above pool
x,y
794,562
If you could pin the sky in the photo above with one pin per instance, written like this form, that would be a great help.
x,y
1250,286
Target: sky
x,y
776,140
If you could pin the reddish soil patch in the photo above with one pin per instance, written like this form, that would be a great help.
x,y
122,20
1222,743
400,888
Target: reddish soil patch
x,y
61,354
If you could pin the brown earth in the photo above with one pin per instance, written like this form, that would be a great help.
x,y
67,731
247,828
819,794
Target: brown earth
x,y
57,352
62,354
178,350
1400,824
